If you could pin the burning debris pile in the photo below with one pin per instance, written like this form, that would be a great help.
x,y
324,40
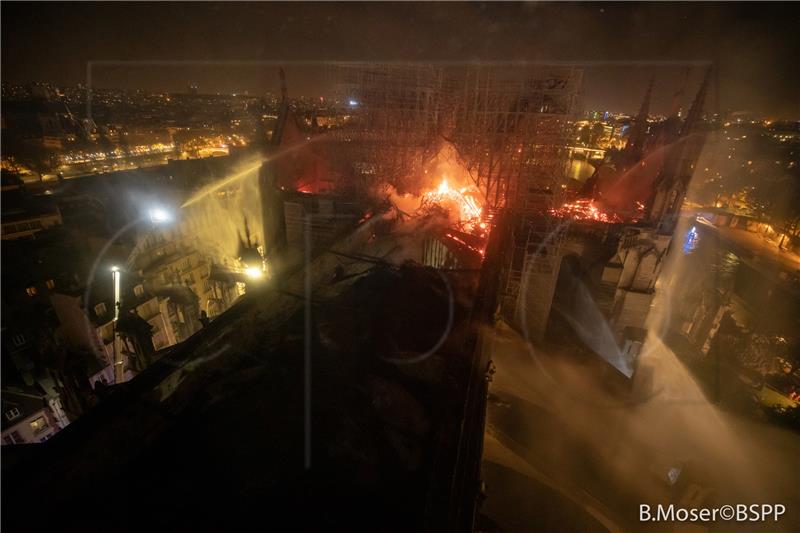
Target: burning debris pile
x,y
454,197
589,210
585,209
460,204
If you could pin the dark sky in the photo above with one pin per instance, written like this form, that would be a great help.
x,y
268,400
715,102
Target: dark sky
x,y
756,45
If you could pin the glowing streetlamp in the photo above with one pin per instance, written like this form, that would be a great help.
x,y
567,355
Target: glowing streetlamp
x,y
119,371
115,276
159,215
254,273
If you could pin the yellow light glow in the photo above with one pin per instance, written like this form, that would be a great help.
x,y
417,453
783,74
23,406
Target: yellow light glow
x,y
254,273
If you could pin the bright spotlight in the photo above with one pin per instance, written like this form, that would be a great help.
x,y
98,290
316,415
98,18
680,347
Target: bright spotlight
x,y
159,215
254,272
114,269
353,103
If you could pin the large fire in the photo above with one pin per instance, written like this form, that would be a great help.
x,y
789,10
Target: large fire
x,y
462,204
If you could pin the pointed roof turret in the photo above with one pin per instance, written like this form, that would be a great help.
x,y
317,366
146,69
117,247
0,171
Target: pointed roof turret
x,y
638,134
283,111
696,111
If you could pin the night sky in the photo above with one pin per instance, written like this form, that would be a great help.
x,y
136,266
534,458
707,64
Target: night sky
x,y
755,45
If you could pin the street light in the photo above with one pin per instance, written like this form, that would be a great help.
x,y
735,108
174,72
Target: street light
x,y
254,273
115,276
119,371
156,215
159,215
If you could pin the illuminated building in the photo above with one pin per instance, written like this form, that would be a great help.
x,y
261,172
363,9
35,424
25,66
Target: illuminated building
x,y
30,416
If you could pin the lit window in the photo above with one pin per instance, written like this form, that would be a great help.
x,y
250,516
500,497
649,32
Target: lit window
x,y
100,309
51,284
39,424
12,413
31,291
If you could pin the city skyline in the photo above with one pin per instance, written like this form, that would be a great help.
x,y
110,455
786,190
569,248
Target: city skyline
x,y
465,267
231,47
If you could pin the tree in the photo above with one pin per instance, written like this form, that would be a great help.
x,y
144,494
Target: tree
x,y
123,143
597,133
785,416
105,144
585,135
31,155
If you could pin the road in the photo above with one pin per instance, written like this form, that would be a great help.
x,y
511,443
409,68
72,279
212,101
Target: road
x,y
76,170
554,422
762,250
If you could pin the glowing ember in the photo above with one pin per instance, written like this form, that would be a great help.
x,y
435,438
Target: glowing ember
x,y
584,209
462,242
462,203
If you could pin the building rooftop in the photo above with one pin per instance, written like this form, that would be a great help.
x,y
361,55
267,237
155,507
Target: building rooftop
x,y
218,432
20,402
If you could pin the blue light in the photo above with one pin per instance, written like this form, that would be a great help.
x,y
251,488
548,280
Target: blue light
x,y
353,103
690,241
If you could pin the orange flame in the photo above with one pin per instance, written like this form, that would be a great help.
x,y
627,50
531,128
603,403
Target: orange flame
x,y
462,203
584,209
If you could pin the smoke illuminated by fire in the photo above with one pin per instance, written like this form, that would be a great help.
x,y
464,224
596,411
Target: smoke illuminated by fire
x,y
445,191
446,198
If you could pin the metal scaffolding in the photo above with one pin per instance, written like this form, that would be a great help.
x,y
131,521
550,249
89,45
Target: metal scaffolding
x,y
512,132
392,115
509,127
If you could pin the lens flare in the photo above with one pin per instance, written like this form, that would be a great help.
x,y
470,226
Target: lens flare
x,y
254,273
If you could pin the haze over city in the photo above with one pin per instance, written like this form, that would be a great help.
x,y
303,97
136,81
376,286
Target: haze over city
x,y
751,45
463,267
